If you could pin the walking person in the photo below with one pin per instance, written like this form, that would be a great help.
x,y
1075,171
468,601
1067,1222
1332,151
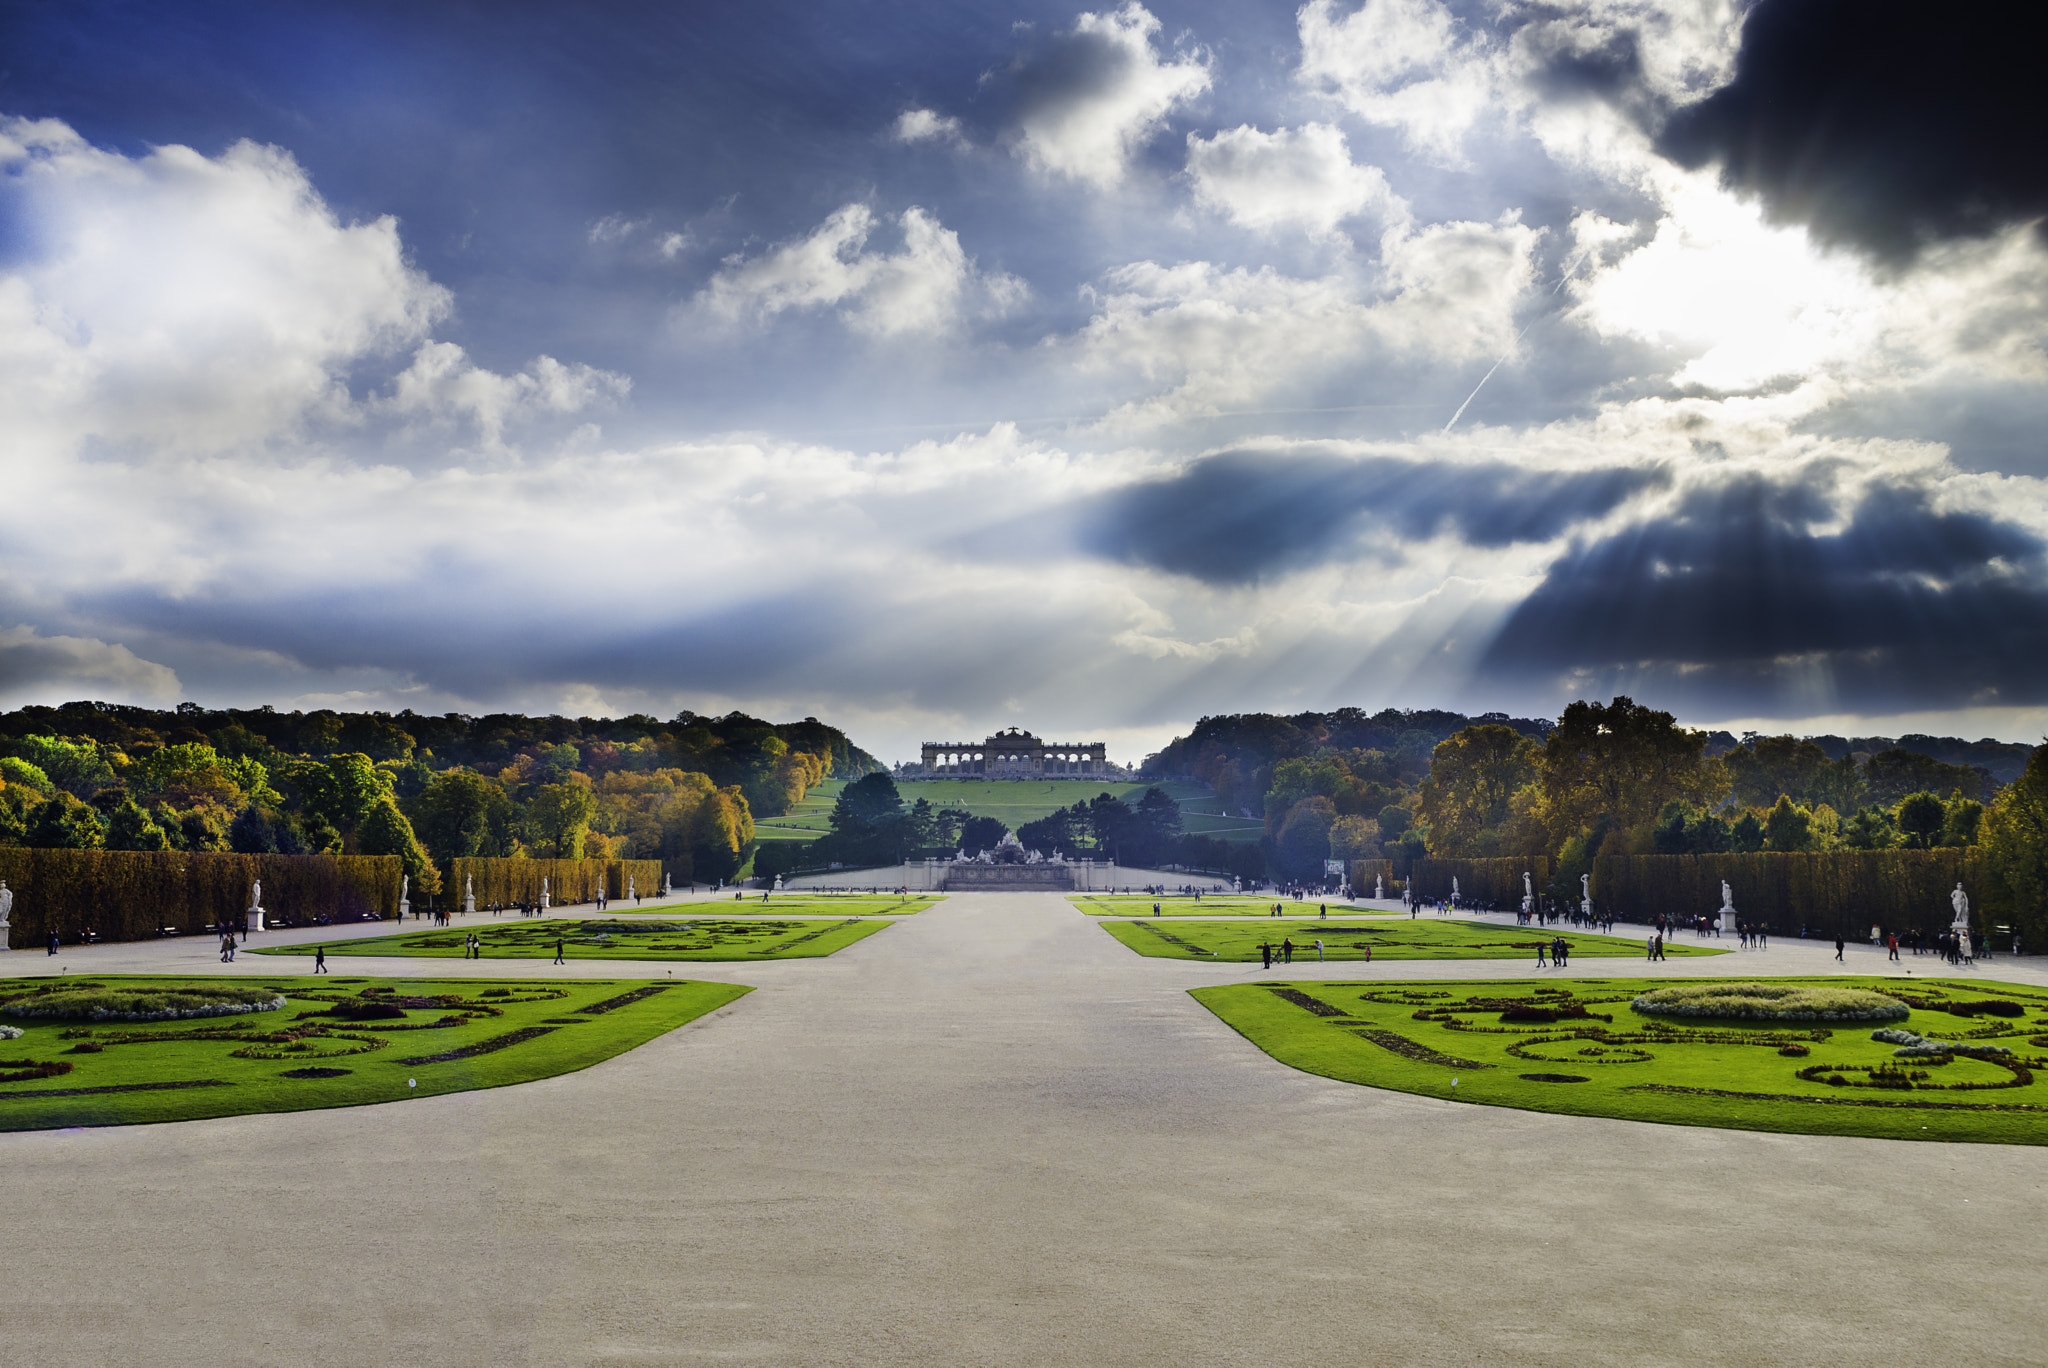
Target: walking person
x,y
1319,949
319,959
1891,945
53,942
1541,951
1840,945
1266,953
558,951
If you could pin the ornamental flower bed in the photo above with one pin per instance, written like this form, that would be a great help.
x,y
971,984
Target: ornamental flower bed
x,y
1771,1002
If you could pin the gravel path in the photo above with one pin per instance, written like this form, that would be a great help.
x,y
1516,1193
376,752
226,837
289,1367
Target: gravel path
x,y
992,1135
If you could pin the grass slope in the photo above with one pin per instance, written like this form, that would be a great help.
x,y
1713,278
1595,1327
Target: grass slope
x,y
1216,905
640,938
802,902
148,1076
1420,1037
1391,938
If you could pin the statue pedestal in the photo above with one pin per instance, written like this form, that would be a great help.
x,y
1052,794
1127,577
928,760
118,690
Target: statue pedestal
x,y
253,920
404,906
1727,919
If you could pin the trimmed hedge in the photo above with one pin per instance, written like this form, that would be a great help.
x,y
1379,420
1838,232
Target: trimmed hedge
x,y
1497,881
505,882
1835,892
122,895
1362,872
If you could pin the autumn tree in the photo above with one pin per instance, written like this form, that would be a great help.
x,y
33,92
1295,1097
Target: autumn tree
x,y
1472,778
558,816
384,831
2014,837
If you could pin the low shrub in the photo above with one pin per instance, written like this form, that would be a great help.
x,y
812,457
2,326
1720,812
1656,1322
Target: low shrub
x,y
365,1011
91,1002
1794,1051
1771,1002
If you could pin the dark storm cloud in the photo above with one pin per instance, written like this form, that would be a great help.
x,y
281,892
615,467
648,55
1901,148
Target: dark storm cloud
x,y
1883,124
1243,516
1735,600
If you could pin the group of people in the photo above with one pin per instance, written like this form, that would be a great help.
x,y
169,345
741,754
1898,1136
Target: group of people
x,y
1559,949
1286,952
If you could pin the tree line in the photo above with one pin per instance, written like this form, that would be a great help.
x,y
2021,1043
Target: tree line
x,y
426,789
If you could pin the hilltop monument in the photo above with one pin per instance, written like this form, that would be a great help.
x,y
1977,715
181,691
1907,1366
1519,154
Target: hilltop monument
x,y
1015,754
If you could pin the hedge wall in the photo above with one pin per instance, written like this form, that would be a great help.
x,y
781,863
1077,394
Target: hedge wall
x,y
1362,872
1845,891
505,882
1495,881
134,895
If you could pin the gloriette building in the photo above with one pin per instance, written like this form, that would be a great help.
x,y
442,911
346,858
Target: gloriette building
x,y
1016,754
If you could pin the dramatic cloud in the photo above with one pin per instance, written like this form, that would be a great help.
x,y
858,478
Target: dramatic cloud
x,y
1879,122
1244,516
930,286
1820,590
1303,176
1098,93
35,667
1406,64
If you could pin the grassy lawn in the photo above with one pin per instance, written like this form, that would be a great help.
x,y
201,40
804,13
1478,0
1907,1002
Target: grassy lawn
x,y
1391,938
397,1030
807,821
638,938
802,902
1017,801
1601,1057
1215,905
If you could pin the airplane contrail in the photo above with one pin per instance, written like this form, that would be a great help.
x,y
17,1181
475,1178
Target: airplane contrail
x,y
1570,267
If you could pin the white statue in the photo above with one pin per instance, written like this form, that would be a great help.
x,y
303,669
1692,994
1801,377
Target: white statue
x,y
630,893
256,895
252,920
543,892
6,907
1960,901
778,883
1454,890
1528,895
1727,907
1379,890
404,895
469,893
1586,896
666,887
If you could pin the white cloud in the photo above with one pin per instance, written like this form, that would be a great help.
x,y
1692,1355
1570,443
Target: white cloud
x,y
187,302
929,287
1224,340
441,384
35,667
1404,64
1301,176
1100,95
925,125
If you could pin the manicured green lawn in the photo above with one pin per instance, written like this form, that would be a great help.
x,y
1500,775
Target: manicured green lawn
x,y
1449,1040
806,821
1391,938
640,938
1217,905
186,1070
1017,801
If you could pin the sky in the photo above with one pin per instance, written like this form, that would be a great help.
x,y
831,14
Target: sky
x,y
931,367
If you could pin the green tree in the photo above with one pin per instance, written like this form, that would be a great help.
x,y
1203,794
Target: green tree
x,y
865,804
1788,826
461,815
386,832
2015,844
341,790
78,767
14,770
130,828
559,815
1962,819
1920,817
61,822
1624,762
1746,834
1871,828
1472,777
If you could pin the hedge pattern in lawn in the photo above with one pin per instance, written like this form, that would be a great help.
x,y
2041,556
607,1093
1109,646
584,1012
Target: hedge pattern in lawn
x,y
535,938
70,1000
480,1034
1388,938
1919,1082
126,895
